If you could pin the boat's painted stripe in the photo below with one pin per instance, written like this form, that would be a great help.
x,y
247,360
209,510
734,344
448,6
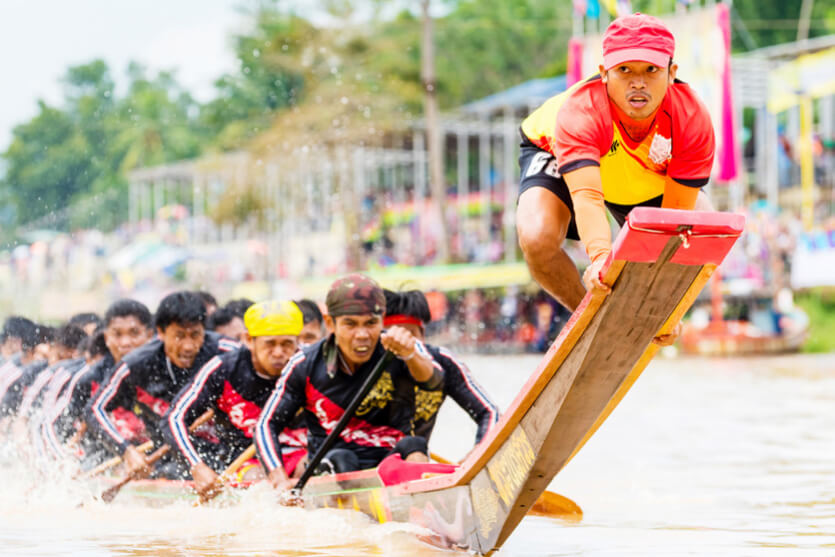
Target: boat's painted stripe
x,y
265,441
473,386
177,416
103,400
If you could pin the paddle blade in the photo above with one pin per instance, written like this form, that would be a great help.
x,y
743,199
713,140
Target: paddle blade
x,y
556,506
109,494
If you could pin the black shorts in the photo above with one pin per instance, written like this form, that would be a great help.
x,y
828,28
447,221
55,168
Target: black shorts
x,y
538,168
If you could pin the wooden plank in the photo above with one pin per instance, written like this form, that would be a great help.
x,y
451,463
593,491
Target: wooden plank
x,y
645,297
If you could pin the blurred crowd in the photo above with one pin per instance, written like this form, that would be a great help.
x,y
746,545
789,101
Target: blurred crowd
x,y
100,268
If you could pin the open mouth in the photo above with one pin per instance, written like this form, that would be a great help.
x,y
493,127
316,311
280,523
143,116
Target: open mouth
x,y
362,350
637,100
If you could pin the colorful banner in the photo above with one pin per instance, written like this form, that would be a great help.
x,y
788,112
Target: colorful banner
x,y
811,75
574,73
728,152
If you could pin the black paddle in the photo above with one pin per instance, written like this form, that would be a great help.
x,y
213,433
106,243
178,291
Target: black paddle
x,y
343,421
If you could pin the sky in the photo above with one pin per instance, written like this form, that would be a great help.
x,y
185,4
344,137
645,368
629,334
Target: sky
x,y
40,39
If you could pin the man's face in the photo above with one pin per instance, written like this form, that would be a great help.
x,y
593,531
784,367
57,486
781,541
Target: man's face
x,y
271,353
235,329
356,335
12,346
89,328
124,334
182,342
311,332
638,88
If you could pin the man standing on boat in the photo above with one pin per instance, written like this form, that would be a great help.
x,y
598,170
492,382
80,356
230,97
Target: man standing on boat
x,y
236,385
148,378
631,136
410,310
325,377
128,324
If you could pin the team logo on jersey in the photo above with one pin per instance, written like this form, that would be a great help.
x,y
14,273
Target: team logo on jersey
x,y
613,149
661,149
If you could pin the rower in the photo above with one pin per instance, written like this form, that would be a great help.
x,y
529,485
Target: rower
x,y
148,378
313,330
128,324
63,354
323,379
15,329
63,349
17,376
209,301
57,392
90,322
225,322
236,385
410,310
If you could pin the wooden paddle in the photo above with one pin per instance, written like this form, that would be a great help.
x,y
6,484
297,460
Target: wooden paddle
x,y
227,475
331,439
116,460
110,493
549,503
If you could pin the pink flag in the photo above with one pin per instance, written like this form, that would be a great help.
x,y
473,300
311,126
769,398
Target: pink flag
x,y
575,61
728,152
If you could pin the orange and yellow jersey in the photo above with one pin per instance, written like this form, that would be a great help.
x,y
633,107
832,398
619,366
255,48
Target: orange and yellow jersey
x,y
580,127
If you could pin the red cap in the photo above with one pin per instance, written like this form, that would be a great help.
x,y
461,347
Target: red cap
x,y
637,37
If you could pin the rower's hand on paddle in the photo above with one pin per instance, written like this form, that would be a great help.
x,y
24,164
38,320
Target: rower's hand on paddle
x,y
592,278
205,481
136,464
399,341
668,339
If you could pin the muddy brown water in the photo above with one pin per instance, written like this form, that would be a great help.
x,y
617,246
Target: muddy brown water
x,y
703,457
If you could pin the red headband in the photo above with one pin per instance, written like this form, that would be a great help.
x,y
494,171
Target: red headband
x,y
399,319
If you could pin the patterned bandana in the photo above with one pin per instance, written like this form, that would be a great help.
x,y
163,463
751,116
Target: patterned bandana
x,y
355,294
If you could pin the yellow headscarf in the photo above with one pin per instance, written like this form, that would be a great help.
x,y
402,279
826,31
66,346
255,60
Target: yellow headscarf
x,y
275,317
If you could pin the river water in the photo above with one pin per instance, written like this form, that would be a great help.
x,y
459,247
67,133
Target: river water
x,y
703,457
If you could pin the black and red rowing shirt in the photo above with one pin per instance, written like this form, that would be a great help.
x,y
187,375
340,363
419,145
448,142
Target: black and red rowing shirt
x,y
146,381
460,386
229,385
324,391
16,384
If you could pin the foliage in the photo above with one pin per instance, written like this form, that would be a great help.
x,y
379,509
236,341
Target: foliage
x,y
299,83
79,153
819,305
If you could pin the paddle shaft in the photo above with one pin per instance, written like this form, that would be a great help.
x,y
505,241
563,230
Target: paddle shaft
x,y
110,463
333,436
237,463
226,475
110,493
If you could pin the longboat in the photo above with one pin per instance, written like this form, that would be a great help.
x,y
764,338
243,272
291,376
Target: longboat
x,y
660,261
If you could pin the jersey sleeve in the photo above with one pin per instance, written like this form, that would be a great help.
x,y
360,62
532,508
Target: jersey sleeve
x,y
468,394
694,143
583,129
112,394
193,400
280,410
